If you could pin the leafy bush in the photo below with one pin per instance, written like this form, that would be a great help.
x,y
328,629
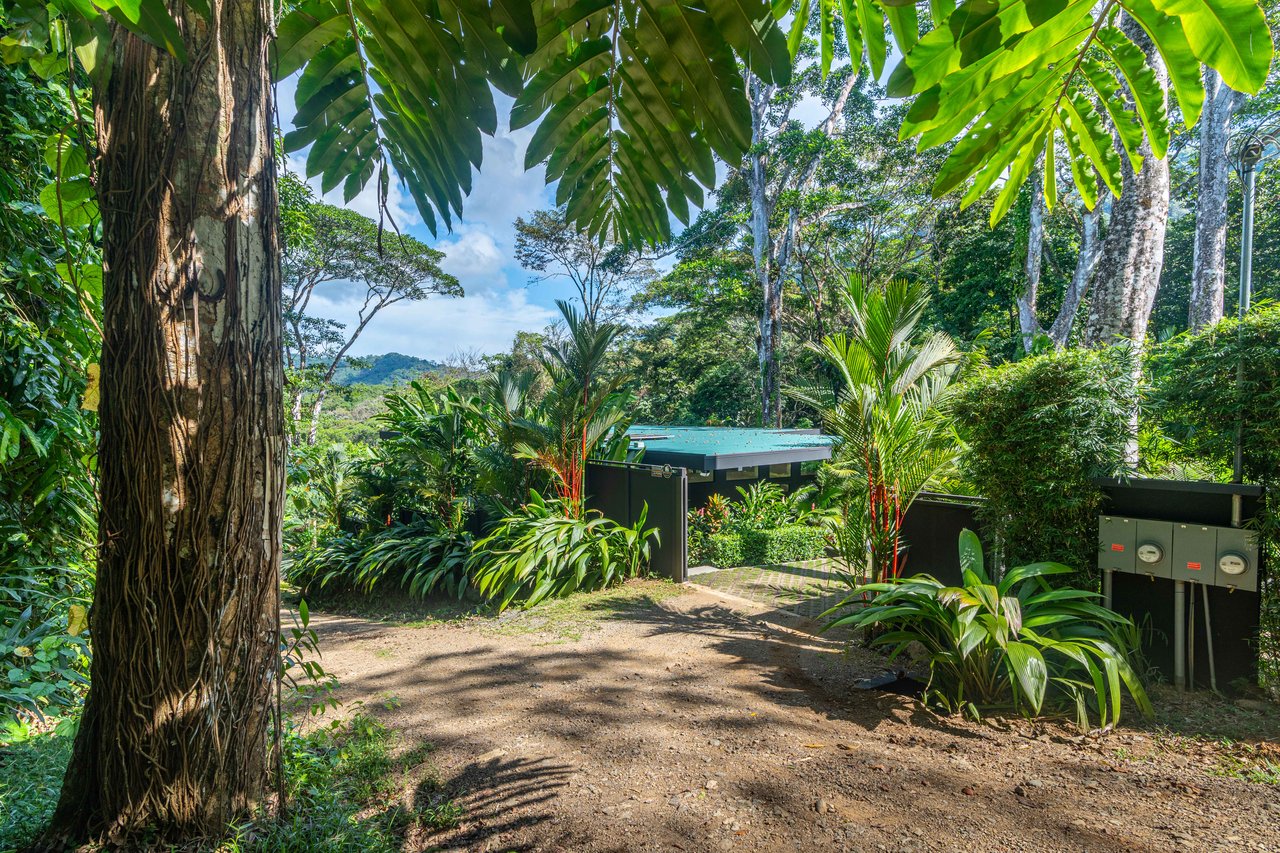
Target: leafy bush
x,y
1039,432
766,525
327,568
544,550
44,649
784,544
1198,396
725,550
427,555
1013,643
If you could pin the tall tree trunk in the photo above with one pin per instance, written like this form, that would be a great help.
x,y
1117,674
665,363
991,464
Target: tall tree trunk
x,y
761,249
1128,270
1027,321
1209,252
316,408
184,621
1090,249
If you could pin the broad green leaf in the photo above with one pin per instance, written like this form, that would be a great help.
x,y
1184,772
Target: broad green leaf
x,y
871,23
1219,34
971,559
1125,123
1180,61
1142,84
1094,139
1027,666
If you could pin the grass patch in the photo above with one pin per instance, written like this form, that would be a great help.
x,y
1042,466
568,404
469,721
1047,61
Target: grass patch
x,y
568,620
561,620
348,793
30,779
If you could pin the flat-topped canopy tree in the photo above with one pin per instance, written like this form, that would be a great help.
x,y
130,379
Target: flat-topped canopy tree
x,y
632,101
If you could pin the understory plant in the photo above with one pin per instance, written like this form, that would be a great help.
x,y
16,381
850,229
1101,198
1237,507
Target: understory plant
x,y
891,379
1203,387
1039,432
549,549
766,525
1013,643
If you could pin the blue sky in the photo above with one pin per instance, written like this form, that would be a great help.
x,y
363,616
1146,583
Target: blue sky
x,y
480,251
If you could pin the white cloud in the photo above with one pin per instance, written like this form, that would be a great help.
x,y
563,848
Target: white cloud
x,y
439,327
473,256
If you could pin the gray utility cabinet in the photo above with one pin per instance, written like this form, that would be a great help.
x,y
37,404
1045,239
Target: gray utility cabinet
x,y
1181,551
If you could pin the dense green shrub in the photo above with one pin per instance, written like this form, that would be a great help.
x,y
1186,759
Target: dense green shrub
x,y
424,556
1039,431
1014,644
1197,394
50,308
547,550
766,525
784,544
725,550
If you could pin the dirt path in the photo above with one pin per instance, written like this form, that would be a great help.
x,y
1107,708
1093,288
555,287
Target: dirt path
x,y
699,724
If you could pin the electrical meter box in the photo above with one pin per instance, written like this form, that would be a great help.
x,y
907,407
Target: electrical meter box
x,y
1194,553
1237,559
1116,540
1153,548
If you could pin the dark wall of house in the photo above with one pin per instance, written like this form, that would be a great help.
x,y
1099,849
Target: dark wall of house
x,y
722,485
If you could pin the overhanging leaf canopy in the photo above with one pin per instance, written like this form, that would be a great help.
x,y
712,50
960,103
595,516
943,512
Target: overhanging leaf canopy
x,y
634,98
1013,79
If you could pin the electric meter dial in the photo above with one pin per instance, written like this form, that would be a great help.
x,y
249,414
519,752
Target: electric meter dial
x,y
1149,552
1232,563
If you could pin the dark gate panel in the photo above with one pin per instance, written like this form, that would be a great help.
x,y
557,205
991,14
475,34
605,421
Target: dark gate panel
x,y
621,491
931,535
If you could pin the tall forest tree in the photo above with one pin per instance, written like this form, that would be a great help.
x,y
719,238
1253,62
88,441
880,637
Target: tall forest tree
x,y
174,733
603,274
1128,268
344,251
1209,252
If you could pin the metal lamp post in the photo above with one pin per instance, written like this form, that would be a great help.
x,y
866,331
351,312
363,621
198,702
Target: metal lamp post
x,y
1252,148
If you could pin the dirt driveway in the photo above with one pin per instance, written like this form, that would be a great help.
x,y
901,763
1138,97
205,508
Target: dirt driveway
x,y
655,718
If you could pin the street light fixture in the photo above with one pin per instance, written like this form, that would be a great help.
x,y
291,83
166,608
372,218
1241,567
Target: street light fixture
x,y
1252,147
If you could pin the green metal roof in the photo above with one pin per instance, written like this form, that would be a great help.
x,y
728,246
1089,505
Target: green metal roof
x,y
718,448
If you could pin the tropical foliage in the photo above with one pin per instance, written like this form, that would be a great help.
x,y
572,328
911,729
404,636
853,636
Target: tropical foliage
x,y
635,98
890,378
766,525
549,549
1015,642
1038,434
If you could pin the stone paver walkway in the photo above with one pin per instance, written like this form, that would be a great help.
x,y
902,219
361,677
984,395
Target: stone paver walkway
x,y
807,589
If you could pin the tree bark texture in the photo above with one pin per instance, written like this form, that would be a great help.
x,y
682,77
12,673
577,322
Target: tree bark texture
x,y
184,622
1090,248
761,250
1128,270
1209,252
1028,323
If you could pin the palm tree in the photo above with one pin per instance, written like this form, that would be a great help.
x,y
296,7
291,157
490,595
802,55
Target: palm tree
x,y
891,377
583,413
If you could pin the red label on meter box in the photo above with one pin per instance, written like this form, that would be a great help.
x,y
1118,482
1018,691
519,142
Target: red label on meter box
x,y
1193,566
1116,546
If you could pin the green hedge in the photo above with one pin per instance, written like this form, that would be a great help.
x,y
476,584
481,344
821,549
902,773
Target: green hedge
x,y
1038,432
783,544
725,550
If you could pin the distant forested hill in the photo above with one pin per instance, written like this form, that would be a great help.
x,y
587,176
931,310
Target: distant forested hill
x,y
393,368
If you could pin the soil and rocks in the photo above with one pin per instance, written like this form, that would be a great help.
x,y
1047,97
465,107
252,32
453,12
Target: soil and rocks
x,y
647,720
